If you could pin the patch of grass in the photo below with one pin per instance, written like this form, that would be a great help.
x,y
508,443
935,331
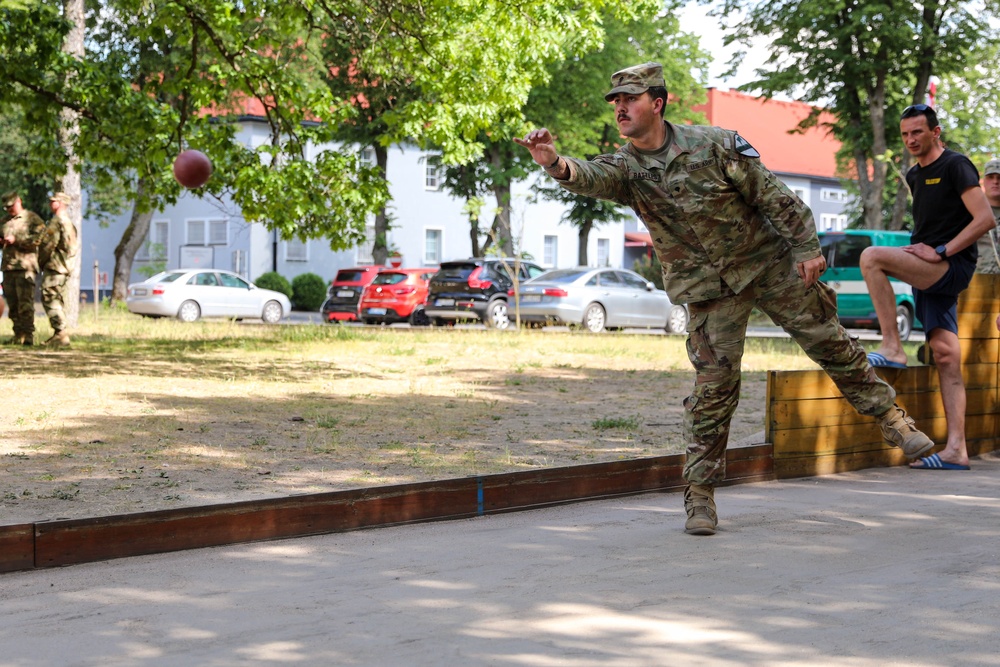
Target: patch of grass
x,y
617,423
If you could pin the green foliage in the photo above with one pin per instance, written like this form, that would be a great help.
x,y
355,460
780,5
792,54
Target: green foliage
x,y
572,105
864,61
650,269
274,281
308,291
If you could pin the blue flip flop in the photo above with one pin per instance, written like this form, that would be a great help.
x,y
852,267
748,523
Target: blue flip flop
x,y
879,361
934,462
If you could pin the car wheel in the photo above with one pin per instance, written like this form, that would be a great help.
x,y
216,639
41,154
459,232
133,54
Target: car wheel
x,y
904,321
496,315
272,312
594,318
677,320
418,318
189,311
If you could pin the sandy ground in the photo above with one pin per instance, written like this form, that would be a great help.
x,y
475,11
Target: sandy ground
x,y
866,569
115,428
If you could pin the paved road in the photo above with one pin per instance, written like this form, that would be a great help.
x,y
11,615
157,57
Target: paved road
x,y
866,569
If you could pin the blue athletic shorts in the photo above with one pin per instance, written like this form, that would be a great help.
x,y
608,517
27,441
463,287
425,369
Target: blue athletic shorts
x,y
937,306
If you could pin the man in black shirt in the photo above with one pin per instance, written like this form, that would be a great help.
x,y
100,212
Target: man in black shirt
x,y
950,213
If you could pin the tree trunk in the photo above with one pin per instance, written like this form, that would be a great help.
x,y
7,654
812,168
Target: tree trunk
x,y
584,240
501,223
69,132
132,239
380,249
474,233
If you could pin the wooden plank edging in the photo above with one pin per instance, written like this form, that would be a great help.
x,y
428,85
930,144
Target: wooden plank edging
x,y
74,541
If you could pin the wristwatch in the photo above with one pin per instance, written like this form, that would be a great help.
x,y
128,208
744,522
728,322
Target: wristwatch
x,y
942,251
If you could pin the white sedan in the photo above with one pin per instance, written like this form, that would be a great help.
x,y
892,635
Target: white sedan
x,y
189,294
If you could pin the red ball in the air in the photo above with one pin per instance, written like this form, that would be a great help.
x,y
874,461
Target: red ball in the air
x,y
192,169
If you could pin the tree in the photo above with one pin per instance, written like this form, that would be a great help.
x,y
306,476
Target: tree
x,y
572,103
152,70
862,60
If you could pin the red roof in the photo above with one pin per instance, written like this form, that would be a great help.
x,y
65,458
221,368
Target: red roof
x,y
766,125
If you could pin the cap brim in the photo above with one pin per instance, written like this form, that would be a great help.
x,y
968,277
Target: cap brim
x,y
631,89
991,172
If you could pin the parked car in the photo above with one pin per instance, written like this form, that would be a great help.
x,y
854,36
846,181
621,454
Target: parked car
x,y
843,274
189,294
475,289
599,299
397,295
344,293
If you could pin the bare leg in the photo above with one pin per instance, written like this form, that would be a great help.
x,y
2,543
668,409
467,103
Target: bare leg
x,y
878,263
947,357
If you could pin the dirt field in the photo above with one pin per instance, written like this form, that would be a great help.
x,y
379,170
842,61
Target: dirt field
x,y
124,423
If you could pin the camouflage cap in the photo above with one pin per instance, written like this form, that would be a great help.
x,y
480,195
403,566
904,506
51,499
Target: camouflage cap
x,y
992,167
9,198
636,79
60,197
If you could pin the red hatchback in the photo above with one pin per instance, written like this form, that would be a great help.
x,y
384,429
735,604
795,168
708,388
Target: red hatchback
x,y
397,295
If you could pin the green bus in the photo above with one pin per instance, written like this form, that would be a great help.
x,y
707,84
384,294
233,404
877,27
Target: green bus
x,y
843,273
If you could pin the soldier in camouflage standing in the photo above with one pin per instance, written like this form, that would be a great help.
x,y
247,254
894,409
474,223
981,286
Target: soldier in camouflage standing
x,y
730,236
987,244
57,252
20,266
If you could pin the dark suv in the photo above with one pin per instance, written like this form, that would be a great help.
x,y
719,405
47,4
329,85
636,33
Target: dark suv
x,y
475,289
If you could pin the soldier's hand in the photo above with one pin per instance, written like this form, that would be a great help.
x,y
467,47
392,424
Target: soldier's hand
x,y
541,145
811,269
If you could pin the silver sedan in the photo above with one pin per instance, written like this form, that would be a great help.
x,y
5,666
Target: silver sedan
x,y
597,299
189,294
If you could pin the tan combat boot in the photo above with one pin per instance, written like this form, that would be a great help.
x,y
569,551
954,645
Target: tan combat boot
x,y
61,339
900,431
699,503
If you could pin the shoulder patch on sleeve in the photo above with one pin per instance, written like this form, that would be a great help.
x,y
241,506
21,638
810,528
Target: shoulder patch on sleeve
x,y
743,146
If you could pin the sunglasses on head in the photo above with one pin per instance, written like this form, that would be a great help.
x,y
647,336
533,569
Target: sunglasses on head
x,y
915,109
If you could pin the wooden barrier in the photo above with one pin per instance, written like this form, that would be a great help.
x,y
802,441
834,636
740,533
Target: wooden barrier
x,y
73,541
814,430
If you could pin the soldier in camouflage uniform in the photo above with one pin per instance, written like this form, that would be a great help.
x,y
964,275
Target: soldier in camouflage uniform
x,y
20,266
57,252
987,244
730,236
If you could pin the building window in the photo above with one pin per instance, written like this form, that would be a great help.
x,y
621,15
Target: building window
x,y
154,248
207,232
432,172
833,195
432,246
367,247
296,251
603,252
367,157
831,222
551,251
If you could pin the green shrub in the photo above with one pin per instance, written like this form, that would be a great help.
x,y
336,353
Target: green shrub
x,y
308,291
274,281
650,269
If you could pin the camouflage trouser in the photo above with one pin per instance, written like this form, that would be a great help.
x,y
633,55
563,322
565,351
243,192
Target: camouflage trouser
x,y
19,290
716,334
54,298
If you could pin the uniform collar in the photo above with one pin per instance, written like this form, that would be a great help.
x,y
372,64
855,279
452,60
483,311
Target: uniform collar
x,y
674,145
